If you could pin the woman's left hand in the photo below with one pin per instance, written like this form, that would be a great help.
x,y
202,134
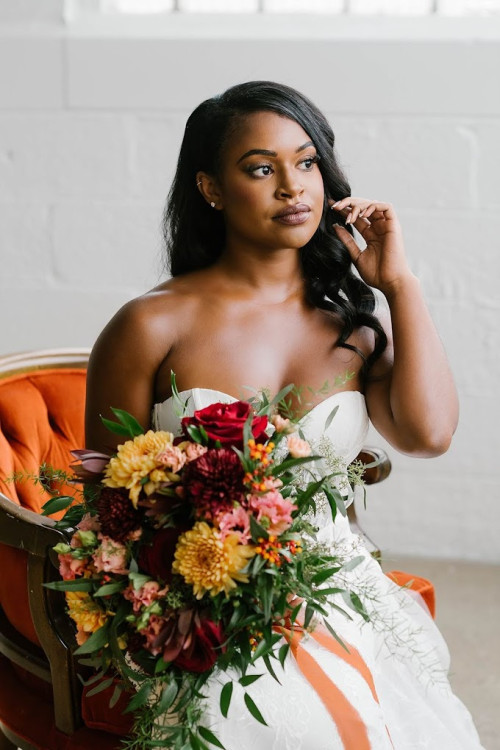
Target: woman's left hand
x,y
382,264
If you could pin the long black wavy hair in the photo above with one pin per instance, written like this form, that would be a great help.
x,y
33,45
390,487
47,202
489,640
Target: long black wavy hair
x,y
195,233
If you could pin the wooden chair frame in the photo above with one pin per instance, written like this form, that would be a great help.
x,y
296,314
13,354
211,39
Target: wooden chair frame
x,y
36,534
54,663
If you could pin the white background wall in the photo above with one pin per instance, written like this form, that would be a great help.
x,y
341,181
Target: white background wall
x,y
91,119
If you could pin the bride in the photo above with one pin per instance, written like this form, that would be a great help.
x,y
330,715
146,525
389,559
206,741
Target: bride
x,y
259,229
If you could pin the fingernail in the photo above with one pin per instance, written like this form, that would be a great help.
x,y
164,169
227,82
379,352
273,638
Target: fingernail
x,y
335,204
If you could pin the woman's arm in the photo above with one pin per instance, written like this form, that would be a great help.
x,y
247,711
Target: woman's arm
x,y
411,396
122,370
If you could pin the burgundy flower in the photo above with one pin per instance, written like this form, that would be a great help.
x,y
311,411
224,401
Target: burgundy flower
x,y
214,482
225,422
156,558
117,515
186,638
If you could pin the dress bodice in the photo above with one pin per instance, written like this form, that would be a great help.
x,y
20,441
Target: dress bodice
x,y
346,431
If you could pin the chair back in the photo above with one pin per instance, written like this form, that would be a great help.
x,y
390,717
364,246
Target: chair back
x,y
42,397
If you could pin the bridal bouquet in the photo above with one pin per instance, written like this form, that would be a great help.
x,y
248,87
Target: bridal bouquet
x,y
194,556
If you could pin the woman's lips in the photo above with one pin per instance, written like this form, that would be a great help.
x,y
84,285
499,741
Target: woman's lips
x,y
291,219
293,215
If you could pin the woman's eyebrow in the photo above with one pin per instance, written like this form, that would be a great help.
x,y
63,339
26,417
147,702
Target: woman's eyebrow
x,y
266,152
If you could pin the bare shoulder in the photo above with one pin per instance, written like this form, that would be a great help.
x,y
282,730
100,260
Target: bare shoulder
x,y
128,353
151,323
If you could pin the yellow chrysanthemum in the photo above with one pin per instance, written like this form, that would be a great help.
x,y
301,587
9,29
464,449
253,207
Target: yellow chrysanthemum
x,y
135,460
88,616
210,563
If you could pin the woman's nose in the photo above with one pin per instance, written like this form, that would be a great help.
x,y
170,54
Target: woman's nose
x,y
289,186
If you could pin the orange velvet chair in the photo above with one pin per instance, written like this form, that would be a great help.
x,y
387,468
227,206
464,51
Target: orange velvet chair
x,y
42,703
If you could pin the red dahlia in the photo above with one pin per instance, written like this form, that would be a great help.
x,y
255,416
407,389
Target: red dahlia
x,y
117,515
214,482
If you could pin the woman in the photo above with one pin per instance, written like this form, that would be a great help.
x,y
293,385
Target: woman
x,y
259,230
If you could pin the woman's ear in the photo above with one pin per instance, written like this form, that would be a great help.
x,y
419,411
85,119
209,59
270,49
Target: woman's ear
x,y
209,188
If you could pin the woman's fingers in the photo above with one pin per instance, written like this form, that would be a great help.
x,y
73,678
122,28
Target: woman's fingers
x,y
354,208
346,237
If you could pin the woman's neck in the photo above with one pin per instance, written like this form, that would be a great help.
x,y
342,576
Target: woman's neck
x,y
270,275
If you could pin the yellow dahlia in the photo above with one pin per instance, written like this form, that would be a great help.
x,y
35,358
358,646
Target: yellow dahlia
x,y
135,460
209,563
87,615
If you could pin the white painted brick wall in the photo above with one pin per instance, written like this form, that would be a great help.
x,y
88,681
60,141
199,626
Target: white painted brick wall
x,y
90,127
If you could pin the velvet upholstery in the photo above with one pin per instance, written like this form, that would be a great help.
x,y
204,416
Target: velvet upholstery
x,y
41,420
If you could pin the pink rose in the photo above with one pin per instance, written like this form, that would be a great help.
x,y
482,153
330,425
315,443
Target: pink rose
x,y
298,448
110,556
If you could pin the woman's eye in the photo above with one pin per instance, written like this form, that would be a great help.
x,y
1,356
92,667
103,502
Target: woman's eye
x,y
310,162
263,170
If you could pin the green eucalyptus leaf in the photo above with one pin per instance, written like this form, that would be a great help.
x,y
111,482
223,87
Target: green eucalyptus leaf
x,y
128,421
283,653
138,579
116,696
77,584
248,679
270,669
250,704
100,687
291,462
194,433
140,698
323,575
110,588
282,394
353,563
168,696
330,417
225,698
335,635
210,737
115,427
56,504
97,640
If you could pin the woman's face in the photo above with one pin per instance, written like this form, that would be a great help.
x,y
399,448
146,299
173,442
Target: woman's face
x,y
270,187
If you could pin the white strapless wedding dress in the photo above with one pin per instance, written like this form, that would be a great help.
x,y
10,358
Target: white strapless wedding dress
x,y
391,692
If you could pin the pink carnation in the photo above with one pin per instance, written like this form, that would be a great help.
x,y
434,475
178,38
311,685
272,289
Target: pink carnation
x,y
274,511
70,567
194,450
235,521
172,458
110,556
298,448
144,596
